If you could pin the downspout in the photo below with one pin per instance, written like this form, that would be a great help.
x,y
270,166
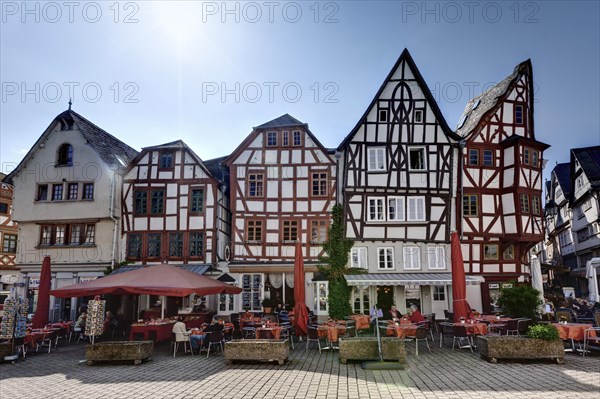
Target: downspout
x,y
115,221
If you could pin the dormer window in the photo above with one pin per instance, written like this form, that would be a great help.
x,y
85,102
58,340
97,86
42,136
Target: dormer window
x,y
166,159
65,155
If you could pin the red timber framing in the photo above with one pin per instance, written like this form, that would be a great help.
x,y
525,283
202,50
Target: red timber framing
x,y
174,207
8,228
501,205
283,184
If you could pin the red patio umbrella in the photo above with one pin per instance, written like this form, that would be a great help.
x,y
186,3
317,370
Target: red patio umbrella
x,y
459,285
300,313
40,318
167,280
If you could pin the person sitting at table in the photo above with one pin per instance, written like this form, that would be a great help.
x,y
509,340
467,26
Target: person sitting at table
x,y
182,334
395,313
414,315
80,323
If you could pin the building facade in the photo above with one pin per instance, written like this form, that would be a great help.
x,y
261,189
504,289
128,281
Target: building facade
x,y
397,182
282,183
66,202
9,274
501,216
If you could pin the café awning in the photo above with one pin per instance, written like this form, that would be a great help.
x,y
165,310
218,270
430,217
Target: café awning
x,y
405,279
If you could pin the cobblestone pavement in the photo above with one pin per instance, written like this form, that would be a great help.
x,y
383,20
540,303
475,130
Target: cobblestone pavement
x,y
442,374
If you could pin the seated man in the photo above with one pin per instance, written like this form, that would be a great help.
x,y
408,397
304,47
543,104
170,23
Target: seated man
x,y
414,315
182,334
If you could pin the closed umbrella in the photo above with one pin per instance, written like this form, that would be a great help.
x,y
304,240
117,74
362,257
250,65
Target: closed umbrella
x,y
536,276
40,318
300,313
459,285
591,274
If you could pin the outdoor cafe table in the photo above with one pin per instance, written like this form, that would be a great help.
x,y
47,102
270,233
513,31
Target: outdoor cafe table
x,y
163,331
262,332
573,331
492,318
32,338
473,328
331,331
363,322
401,330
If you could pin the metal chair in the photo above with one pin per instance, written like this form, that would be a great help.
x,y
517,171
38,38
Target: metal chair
x,y
214,338
461,334
175,344
523,326
286,333
313,336
597,319
564,312
445,328
512,327
449,315
249,331
421,335
587,338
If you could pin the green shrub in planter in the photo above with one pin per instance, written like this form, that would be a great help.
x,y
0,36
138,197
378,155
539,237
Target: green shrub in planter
x,y
546,332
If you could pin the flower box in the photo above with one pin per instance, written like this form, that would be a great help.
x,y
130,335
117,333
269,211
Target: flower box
x,y
366,348
519,348
119,351
259,350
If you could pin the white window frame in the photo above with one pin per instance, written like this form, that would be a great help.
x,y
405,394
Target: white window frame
x,y
388,263
411,257
415,149
381,201
413,201
436,257
378,155
361,254
399,206
443,293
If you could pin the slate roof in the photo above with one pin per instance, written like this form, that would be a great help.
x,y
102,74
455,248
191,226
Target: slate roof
x,y
285,120
112,151
589,159
198,269
479,106
226,278
563,175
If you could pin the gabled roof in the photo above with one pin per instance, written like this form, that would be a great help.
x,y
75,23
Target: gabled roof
x,y
283,121
112,151
563,175
589,159
480,106
405,56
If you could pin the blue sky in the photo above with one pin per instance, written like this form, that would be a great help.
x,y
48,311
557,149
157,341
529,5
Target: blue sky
x,y
150,72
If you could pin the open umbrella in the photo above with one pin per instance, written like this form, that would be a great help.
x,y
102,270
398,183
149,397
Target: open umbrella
x,y
459,285
40,318
300,313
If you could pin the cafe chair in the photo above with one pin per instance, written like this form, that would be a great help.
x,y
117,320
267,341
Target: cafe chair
x,y
249,331
350,331
445,329
313,336
512,327
421,335
180,339
587,338
286,333
449,315
48,341
495,328
215,338
461,335
564,312
523,326
597,319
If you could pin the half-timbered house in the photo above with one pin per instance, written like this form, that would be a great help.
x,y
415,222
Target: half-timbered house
x,y
282,190
8,238
175,210
397,184
501,183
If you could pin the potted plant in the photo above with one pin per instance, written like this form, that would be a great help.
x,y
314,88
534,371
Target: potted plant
x,y
267,305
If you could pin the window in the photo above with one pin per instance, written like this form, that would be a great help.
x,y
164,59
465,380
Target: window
x,y
73,191
535,158
490,252
526,156
535,204
439,293
88,191
196,244
395,209
9,243
488,158
134,246
286,139
290,230
416,209
411,257
65,155
583,235
252,291
376,159
418,116
254,230
57,192
166,159
90,234
154,245
42,192
473,157
358,258
470,205
59,234
375,210
416,158
524,199
3,208
197,200
176,245
383,115
386,258
318,231
255,184
140,202
564,238
157,202
46,238
149,201
271,139
586,204
75,234
319,184
297,138
509,253
436,257
579,182
519,114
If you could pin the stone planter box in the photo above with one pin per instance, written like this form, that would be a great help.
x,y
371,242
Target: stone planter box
x,y
365,348
259,350
119,351
519,348
6,349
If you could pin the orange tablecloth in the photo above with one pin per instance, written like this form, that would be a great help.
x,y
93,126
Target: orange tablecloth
x,y
163,332
261,332
474,328
401,330
574,331
331,332
363,322
492,318
33,338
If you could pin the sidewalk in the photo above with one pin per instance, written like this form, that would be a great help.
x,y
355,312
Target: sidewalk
x,y
442,374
